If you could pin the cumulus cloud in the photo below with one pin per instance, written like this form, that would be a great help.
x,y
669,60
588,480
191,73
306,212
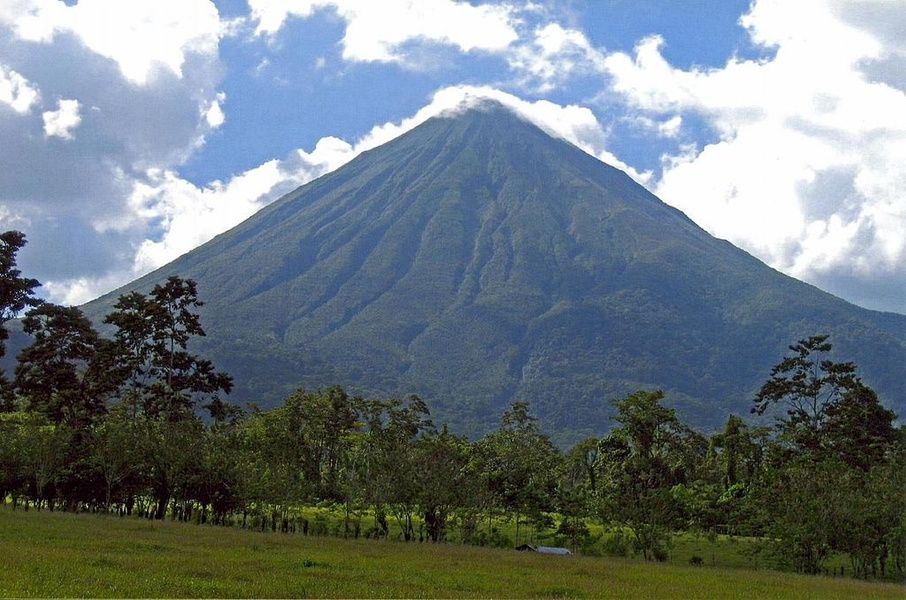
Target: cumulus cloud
x,y
61,122
213,114
146,77
551,55
16,91
379,31
139,36
128,90
542,53
808,168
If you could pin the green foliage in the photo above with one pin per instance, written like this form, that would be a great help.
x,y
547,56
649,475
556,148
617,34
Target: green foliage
x,y
809,385
57,372
149,354
641,463
16,293
828,484
519,464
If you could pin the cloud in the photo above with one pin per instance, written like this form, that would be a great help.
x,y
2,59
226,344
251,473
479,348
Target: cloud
x,y
214,114
140,37
380,31
122,111
16,91
809,166
61,122
541,53
552,55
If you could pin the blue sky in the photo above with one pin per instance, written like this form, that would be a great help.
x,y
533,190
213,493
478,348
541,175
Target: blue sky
x,y
135,131
292,103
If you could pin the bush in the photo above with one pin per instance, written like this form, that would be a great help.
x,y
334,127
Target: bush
x,y
495,539
616,544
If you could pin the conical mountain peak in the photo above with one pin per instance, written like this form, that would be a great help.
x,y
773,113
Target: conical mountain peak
x,y
477,260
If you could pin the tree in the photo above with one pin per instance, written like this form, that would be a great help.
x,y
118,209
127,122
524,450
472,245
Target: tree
x,y
150,354
808,385
117,452
521,463
580,466
738,452
171,455
441,462
16,293
830,486
53,373
858,430
44,446
803,501
394,428
321,422
641,462
736,459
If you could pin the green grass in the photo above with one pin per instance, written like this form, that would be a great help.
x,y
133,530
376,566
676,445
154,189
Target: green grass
x,y
64,555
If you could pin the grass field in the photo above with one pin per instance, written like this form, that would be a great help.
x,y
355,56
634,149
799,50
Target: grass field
x,y
53,555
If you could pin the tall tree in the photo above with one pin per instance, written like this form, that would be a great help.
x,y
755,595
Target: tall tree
x,y
522,464
829,485
16,293
393,429
641,461
858,430
441,462
160,376
807,383
117,452
53,373
321,422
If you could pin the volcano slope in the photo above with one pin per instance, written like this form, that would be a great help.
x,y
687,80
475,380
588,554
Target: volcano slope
x,y
477,260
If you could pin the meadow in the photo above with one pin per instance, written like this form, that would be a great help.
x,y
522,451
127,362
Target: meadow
x,y
64,555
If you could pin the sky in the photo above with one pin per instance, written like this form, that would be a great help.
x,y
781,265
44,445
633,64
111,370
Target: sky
x,y
134,131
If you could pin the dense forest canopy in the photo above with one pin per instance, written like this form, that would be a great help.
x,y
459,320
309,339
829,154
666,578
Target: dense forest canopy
x,y
138,425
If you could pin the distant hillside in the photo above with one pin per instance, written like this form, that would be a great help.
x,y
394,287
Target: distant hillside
x,y
477,260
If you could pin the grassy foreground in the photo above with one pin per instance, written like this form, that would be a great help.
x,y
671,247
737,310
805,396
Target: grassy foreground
x,y
54,555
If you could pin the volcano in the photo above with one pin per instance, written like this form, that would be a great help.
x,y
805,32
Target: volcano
x,y
478,260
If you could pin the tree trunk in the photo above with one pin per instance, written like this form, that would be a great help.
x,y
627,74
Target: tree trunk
x,y
163,498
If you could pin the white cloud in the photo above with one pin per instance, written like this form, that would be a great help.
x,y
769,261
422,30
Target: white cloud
x,y
61,122
190,215
16,91
140,36
542,54
11,219
214,114
671,127
146,75
553,55
78,290
808,170
378,31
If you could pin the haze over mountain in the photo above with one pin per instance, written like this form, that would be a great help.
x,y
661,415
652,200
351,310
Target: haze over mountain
x,y
477,260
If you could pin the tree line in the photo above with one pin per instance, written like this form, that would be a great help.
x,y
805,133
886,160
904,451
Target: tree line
x,y
135,424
